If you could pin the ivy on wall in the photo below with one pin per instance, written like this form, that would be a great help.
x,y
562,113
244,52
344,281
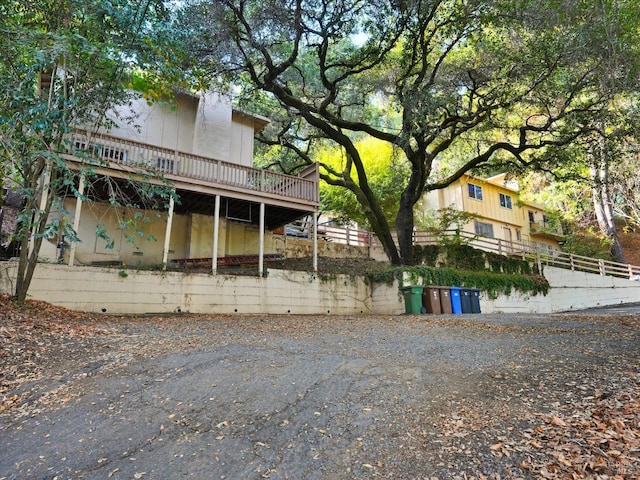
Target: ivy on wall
x,y
492,283
464,266
465,257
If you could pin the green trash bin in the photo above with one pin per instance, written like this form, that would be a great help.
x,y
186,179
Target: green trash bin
x,y
412,299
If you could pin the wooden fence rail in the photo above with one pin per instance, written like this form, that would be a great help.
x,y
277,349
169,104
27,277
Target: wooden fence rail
x,y
534,253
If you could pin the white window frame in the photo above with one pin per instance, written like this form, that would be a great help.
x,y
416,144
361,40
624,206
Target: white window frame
x,y
474,191
506,201
483,229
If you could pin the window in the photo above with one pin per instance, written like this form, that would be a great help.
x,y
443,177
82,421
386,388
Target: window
x,y
532,218
505,201
518,235
484,229
475,191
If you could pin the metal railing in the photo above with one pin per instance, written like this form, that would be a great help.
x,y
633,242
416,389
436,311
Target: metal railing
x,y
129,154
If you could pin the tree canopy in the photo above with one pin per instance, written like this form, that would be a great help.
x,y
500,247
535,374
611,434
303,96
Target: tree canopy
x,y
510,82
63,64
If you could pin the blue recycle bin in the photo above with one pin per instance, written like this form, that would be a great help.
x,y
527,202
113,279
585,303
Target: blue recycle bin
x,y
456,301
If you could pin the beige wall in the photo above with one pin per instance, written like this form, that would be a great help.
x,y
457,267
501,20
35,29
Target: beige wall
x,y
242,135
191,236
125,291
128,246
204,125
165,124
489,207
107,289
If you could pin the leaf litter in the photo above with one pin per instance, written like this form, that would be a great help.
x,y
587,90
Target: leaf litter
x,y
587,427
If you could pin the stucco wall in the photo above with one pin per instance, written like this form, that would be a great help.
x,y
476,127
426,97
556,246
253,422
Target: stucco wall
x,y
578,290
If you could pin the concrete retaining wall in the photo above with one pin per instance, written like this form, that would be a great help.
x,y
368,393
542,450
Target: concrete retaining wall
x,y
579,290
281,292
108,290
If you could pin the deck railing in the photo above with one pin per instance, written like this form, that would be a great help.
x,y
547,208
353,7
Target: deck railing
x,y
129,154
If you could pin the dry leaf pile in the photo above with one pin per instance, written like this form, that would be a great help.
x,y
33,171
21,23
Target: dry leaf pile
x,y
517,423
30,337
593,436
598,437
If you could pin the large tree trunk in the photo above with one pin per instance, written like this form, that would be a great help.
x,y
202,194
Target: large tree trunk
x,y
378,222
404,227
32,235
602,202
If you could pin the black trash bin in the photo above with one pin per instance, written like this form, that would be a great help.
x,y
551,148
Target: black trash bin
x,y
431,299
474,294
465,299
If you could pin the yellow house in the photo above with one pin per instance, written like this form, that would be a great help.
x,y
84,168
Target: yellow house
x,y
204,148
501,214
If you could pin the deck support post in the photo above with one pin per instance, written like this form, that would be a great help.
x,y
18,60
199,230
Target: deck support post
x,y
315,241
216,234
261,234
167,232
76,219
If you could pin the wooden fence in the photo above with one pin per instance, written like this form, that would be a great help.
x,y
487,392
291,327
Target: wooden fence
x,y
533,252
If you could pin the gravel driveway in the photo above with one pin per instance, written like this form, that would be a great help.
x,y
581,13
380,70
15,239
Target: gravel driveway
x,y
321,397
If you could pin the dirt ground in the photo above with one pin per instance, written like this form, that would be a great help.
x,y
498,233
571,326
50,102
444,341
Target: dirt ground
x,y
631,246
318,397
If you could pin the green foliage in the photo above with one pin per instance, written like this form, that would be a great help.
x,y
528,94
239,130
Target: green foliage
x,y
588,244
464,266
493,284
456,86
503,264
464,257
426,254
386,174
440,224
64,65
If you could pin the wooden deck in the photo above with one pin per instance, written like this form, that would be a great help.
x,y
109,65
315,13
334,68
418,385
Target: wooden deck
x,y
188,169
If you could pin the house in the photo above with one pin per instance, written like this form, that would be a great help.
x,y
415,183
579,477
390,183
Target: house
x,y
203,147
501,213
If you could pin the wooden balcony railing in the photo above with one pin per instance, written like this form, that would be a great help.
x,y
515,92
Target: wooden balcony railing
x,y
119,152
